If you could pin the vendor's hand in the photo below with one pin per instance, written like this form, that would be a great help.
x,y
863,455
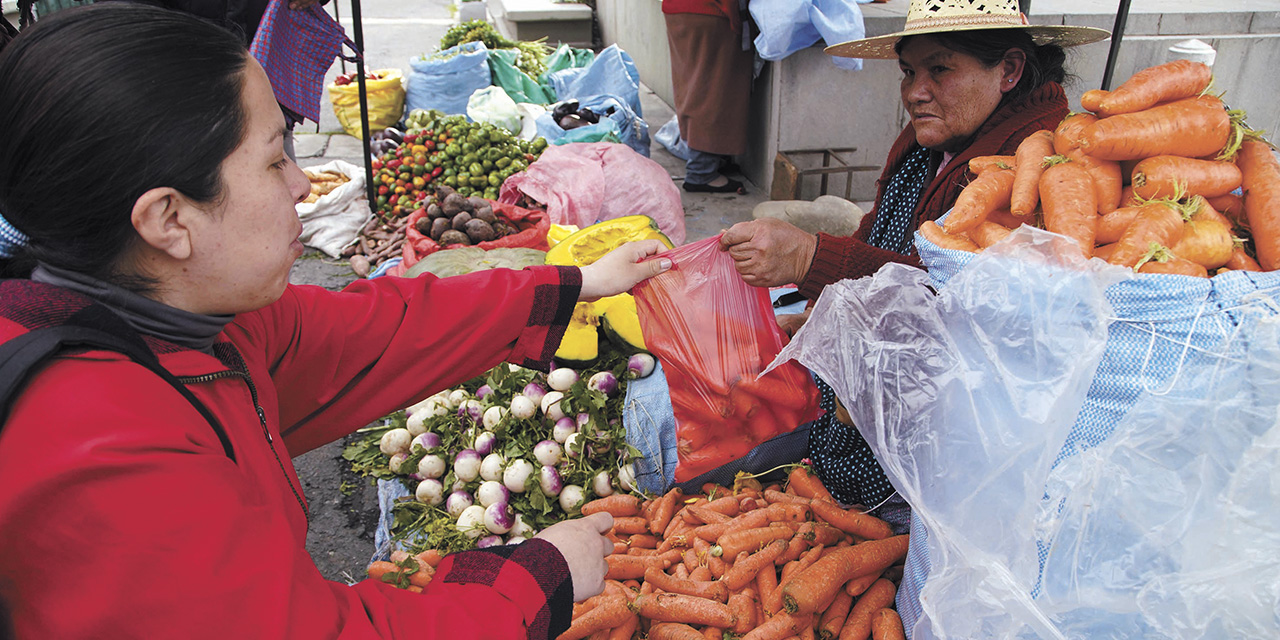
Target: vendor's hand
x,y
584,547
769,252
621,269
791,322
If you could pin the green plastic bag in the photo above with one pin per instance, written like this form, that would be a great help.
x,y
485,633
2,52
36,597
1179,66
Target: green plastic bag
x,y
566,57
515,82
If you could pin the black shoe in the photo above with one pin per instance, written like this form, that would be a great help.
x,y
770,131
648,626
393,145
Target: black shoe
x,y
732,186
730,167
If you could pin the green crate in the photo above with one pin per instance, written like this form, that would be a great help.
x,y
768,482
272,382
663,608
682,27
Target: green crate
x,y
47,7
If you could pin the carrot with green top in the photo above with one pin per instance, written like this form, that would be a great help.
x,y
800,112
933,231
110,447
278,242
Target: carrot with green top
x,y
806,484
1162,83
1159,224
752,540
1173,176
1195,127
1070,202
1025,192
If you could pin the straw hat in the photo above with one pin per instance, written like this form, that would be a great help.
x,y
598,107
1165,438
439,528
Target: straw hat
x,y
939,16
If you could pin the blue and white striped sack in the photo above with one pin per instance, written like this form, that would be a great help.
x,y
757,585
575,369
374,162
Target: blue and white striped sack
x,y
1037,416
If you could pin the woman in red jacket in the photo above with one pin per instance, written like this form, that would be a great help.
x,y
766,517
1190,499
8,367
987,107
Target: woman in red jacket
x,y
146,195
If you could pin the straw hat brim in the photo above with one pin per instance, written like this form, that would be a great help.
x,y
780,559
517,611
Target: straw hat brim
x,y
881,47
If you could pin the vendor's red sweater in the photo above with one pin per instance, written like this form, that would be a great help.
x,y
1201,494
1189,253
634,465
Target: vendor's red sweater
x,y
840,257
720,8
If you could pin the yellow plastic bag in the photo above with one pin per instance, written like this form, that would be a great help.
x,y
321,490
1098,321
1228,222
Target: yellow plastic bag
x,y
386,101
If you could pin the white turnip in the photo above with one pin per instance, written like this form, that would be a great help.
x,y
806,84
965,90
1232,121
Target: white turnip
x,y
471,410
523,408
562,379
431,466
516,476
492,465
563,428
497,518
572,498
573,446
397,461
627,477
427,440
641,365
602,484
466,465
484,443
534,392
548,452
493,540
604,382
416,424
457,502
491,491
395,441
550,405
458,396
521,529
549,480
471,521
483,391
430,491
493,416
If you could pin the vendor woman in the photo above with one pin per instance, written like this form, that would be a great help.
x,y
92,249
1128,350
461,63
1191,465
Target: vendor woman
x,y
976,81
145,193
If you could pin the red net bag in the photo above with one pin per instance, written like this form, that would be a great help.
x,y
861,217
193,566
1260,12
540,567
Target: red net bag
x,y
714,334
532,225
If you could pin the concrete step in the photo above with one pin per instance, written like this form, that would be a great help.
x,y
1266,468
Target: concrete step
x,y
558,22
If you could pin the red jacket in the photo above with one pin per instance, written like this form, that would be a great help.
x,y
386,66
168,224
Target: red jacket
x,y
719,8
122,517
840,257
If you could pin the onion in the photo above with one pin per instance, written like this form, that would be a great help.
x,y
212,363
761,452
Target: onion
x,y
627,477
489,541
483,391
534,392
549,480
551,402
562,379
466,465
572,498
484,443
604,382
491,491
522,407
494,415
548,452
492,465
602,484
457,502
427,440
497,518
471,521
395,441
516,476
641,365
430,491
431,466
397,461
563,428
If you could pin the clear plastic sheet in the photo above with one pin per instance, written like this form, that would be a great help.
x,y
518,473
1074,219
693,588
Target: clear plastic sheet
x,y
715,334
1167,528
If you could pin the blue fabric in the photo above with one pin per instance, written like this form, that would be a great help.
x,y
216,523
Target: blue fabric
x,y
701,167
446,80
787,26
10,239
612,73
895,211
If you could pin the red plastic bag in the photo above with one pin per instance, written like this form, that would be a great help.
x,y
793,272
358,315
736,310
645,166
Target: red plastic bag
x,y
714,334
533,226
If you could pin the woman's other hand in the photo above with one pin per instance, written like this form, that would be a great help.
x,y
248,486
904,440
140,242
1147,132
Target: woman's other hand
x,y
791,322
584,547
621,269
769,252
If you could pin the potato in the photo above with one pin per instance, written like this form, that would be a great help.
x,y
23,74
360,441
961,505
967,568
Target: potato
x,y
479,230
460,221
453,236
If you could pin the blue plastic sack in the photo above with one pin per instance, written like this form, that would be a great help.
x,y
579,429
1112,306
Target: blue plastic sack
x,y
612,73
787,26
623,124
445,81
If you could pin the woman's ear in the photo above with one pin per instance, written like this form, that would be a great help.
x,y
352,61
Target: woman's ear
x,y
158,220
1014,63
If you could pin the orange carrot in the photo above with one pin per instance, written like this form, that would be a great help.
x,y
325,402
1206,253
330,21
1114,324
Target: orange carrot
x,y
1025,193
1108,181
712,633
714,590
772,497
379,568
1261,182
1175,177
1205,242
711,532
632,567
630,526
787,512
743,606
703,574
1070,202
1159,224
705,515
1127,199
620,505
834,616
1168,263
1112,225
783,625
422,577
430,557
1162,83
749,520
988,192
664,511
1066,137
725,505
933,233
858,625
852,522
673,631
625,630
1092,99
807,484
886,625
857,586
642,541
766,582
676,607
1194,127
819,583
1103,251
608,614
1006,219
743,571
988,233
982,164
1232,207
1241,261
752,540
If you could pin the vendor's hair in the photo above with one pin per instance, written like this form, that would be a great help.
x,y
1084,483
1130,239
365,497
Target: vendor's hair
x,y
100,104
1045,62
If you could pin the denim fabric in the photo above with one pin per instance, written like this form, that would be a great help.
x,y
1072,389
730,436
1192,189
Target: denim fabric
x,y
701,168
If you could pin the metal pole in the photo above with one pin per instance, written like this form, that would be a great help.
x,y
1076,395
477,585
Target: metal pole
x,y
1117,34
1024,6
370,192
337,17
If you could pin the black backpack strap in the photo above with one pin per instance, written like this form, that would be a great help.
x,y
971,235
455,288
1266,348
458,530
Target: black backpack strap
x,y
21,356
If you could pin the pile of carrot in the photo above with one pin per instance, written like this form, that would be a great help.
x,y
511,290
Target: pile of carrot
x,y
1144,178
758,563
409,572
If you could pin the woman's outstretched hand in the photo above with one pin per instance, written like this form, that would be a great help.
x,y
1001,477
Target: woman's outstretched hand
x,y
583,545
621,269
769,252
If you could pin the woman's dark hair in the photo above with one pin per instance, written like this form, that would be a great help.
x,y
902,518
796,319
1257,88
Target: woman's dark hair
x,y
1045,62
100,104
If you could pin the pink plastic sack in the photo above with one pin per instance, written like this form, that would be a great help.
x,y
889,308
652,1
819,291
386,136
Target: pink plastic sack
x,y
585,183
714,334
